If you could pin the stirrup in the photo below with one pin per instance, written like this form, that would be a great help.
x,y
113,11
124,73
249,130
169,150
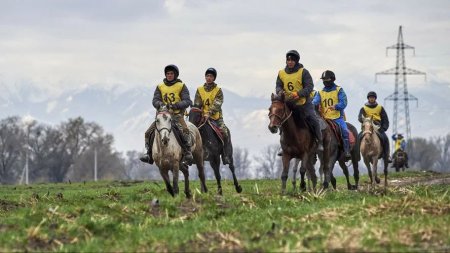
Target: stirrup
x,y
188,158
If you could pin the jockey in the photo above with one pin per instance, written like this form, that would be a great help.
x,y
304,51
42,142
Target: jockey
x,y
209,97
297,83
372,108
332,101
400,144
173,93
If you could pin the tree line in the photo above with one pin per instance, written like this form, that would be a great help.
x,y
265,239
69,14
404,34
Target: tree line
x,y
66,152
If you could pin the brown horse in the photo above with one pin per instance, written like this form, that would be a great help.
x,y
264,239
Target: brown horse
x,y
296,141
372,150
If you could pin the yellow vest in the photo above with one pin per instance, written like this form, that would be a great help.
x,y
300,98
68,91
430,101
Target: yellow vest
x,y
398,144
329,98
292,83
375,112
171,94
208,98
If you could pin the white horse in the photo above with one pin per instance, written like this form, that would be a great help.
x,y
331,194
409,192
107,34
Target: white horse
x,y
167,153
371,150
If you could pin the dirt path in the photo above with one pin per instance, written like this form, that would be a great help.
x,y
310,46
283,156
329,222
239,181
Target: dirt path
x,y
434,178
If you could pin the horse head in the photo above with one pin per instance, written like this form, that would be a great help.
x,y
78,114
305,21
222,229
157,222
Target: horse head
x,y
278,112
369,127
195,116
164,124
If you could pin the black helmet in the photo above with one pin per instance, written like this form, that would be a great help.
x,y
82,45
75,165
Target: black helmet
x,y
293,54
173,68
371,94
400,136
328,75
211,71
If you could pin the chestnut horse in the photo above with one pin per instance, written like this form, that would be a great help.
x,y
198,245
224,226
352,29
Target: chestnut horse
x,y
297,141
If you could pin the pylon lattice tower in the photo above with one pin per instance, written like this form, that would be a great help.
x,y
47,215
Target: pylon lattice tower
x,y
401,97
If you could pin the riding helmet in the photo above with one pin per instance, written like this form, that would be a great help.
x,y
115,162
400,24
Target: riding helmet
x,y
211,71
328,75
293,55
173,68
372,94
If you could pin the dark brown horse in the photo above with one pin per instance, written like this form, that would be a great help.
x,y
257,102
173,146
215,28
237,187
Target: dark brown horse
x,y
297,141
212,147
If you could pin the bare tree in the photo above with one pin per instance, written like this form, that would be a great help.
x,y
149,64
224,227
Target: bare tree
x,y
12,141
269,165
422,153
443,161
241,162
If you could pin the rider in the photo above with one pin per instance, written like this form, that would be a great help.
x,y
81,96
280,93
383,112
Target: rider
x,y
209,97
332,101
400,144
297,83
173,94
372,108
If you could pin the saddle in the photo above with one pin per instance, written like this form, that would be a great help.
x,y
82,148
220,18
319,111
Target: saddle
x,y
216,130
337,132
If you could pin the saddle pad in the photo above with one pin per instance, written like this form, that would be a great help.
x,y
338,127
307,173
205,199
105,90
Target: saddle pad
x,y
216,129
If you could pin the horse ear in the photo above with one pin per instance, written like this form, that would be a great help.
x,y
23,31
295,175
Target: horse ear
x,y
272,97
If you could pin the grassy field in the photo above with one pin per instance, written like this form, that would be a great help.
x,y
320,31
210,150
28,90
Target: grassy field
x,y
414,215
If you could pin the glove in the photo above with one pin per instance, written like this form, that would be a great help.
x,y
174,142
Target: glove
x,y
206,116
173,106
292,96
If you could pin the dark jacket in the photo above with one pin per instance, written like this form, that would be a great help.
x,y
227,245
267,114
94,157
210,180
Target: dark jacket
x,y
307,81
384,124
185,97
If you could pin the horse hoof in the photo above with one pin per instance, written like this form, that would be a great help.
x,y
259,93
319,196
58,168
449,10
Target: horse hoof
x,y
377,180
325,185
238,189
220,192
188,194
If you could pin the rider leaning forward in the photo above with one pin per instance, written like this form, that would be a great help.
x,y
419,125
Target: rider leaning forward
x,y
296,82
332,101
375,110
209,98
173,94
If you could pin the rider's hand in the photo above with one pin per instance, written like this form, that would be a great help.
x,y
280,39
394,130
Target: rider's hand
x,y
292,95
331,108
206,116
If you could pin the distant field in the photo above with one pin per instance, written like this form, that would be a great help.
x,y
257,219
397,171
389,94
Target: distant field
x,y
125,216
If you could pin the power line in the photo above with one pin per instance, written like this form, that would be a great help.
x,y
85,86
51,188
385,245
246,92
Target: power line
x,y
401,97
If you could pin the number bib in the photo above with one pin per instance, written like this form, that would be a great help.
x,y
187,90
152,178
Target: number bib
x,y
329,98
171,94
207,100
292,83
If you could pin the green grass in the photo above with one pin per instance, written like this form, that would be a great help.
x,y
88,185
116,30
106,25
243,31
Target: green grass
x,y
120,216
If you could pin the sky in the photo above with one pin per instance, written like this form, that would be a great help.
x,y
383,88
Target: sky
x,y
60,46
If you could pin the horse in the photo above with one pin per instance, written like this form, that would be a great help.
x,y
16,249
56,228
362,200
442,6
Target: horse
x,y
372,150
212,147
296,141
399,160
167,153
337,154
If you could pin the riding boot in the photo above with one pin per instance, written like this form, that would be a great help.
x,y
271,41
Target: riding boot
x,y
314,121
147,158
385,143
187,155
227,148
347,149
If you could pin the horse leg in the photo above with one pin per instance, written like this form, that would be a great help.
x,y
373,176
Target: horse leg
x,y
386,164
294,174
215,164
201,174
185,169
175,175
235,181
375,170
311,173
302,177
345,170
165,176
369,169
284,175
355,173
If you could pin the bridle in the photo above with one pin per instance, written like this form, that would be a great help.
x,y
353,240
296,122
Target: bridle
x,y
201,122
284,117
163,128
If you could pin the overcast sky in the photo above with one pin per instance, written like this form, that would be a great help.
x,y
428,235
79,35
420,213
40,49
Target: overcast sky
x,y
62,45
